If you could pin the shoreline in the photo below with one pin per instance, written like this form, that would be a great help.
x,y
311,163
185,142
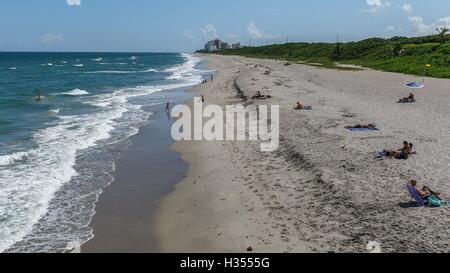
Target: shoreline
x,y
145,172
323,190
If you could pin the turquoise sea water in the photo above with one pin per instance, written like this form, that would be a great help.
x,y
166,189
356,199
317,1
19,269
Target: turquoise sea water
x,y
56,154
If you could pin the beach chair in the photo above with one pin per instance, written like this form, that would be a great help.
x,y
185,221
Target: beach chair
x,y
415,195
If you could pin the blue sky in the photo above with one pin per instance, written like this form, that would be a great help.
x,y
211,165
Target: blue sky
x,y
185,25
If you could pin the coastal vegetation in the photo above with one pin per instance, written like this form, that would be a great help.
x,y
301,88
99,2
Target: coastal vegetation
x,y
427,55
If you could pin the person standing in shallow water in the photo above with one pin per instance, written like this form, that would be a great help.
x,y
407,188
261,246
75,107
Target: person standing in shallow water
x,y
39,97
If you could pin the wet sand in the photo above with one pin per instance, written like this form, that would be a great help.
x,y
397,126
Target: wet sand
x,y
147,171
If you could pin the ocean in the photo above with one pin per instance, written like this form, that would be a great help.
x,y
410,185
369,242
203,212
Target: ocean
x,y
57,153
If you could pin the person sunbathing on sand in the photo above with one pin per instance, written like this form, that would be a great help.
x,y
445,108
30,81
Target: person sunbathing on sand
x,y
360,126
407,148
257,96
425,192
299,106
409,99
261,97
402,153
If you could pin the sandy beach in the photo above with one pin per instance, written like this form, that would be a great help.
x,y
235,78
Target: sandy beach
x,y
323,190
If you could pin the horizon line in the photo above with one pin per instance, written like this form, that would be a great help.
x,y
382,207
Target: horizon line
x,y
122,52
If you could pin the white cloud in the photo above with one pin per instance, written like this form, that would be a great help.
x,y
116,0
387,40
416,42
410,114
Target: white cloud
x,y
256,33
231,36
73,2
188,34
443,22
390,28
209,31
52,38
407,7
419,25
377,5
393,29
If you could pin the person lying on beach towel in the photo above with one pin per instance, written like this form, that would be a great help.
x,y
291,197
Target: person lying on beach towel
x,y
301,107
410,99
393,154
429,196
370,127
259,96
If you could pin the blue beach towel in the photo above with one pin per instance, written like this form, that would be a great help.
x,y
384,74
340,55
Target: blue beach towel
x,y
363,129
434,202
415,85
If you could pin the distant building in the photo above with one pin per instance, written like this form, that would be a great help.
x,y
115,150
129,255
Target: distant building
x,y
223,45
236,46
210,47
213,45
217,44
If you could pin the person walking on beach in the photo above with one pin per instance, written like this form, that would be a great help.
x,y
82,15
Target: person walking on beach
x,y
203,98
212,77
168,107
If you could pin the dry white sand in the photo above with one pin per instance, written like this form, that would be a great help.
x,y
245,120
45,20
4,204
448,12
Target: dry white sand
x,y
322,190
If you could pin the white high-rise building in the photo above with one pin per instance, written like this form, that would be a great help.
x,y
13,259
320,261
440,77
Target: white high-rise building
x,y
216,44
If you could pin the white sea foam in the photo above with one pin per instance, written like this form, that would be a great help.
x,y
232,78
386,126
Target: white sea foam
x,y
133,58
28,188
75,92
78,65
122,72
113,63
186,71
13,68
6,160
31,178
54,111
98,60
